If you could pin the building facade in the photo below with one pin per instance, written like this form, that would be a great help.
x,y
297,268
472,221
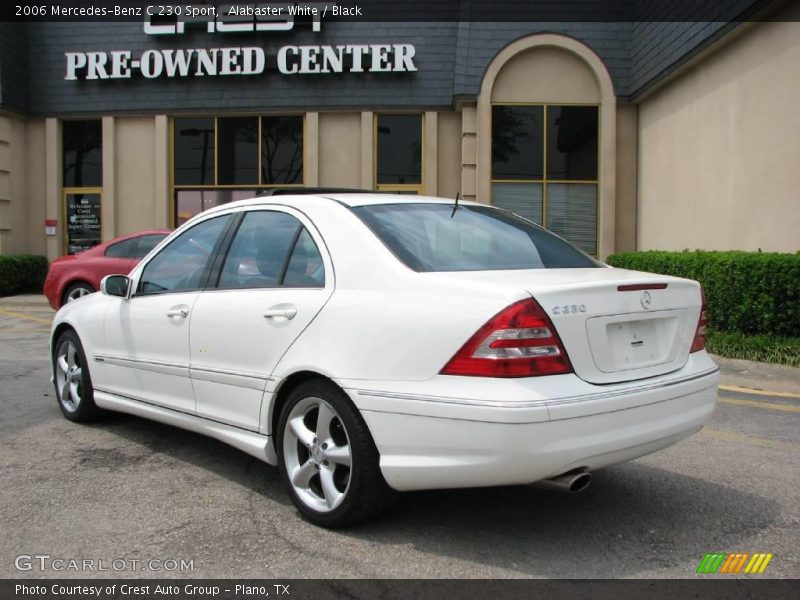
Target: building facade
x,y
615,135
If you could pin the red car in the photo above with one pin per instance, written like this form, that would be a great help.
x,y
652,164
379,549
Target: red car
x,y
76,275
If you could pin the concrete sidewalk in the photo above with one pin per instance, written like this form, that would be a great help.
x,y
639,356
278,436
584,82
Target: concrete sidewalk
x,y
23,300
740,373
758,376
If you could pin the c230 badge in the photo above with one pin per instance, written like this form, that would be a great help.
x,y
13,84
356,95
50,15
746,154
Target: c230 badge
x,y
568,309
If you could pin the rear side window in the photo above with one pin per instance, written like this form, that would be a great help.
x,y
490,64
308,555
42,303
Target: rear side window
x,y
272,249
432,237
123,249
137,247
147,243
305,267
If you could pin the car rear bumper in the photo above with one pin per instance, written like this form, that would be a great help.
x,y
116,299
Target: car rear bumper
x,y
430,444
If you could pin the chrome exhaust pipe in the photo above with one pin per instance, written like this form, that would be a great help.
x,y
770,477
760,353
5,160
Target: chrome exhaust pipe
x,y
571,482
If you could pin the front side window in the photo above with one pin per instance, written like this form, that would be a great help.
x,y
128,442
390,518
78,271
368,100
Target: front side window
x,y
184,263
432,237
545,167
272,249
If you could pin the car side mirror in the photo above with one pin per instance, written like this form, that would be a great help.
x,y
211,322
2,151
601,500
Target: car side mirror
x,y
115,285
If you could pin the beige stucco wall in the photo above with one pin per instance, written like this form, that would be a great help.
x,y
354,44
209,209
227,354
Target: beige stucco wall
x,y
625,213
430,153
469,153
13,185
448,159
719,149
545,74
134,175
53,178
311,149
135,180
36,208
339,150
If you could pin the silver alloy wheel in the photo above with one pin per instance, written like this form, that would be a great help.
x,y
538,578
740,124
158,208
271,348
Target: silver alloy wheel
x,y
78,292
317,455
69,376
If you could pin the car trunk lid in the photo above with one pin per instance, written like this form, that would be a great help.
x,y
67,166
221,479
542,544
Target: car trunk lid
x,y
622,329
616,325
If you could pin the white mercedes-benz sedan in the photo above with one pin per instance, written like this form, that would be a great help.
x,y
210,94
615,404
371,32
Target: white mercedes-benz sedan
x,y
373,343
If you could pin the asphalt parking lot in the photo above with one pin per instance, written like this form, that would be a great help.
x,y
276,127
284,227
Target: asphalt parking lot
x,y
130,489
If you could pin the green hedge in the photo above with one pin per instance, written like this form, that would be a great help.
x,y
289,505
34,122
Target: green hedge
x,y
21,273
747,292
763,348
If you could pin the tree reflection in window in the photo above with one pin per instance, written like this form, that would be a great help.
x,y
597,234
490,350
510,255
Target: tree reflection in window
x,y
517,133
281,150
83,153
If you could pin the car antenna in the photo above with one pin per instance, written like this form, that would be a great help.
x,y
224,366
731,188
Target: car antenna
x,y
455,206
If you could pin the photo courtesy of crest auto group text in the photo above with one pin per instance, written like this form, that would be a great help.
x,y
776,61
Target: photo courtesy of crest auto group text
x,y
355,299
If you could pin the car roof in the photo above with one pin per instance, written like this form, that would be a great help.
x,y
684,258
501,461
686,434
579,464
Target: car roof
x,y
144,232
384,198
346,199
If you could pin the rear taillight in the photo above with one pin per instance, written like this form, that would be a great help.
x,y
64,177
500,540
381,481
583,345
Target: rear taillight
x,y
519,341
699,341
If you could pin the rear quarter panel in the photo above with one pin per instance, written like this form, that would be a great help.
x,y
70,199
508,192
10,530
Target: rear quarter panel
x,y
402,334
385,321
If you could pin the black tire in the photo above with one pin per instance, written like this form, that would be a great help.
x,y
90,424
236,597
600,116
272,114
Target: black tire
x,y
79,404
366,493
76,290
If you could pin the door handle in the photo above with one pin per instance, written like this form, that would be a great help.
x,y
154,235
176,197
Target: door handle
x,y
178,312
283,311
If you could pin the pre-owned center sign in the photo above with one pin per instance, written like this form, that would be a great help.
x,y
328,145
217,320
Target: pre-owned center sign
x,y
250,60
239,60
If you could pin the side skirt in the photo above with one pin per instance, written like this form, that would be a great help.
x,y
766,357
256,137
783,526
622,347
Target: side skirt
x,y
250,442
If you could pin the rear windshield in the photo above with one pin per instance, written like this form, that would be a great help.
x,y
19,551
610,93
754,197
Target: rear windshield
x,y
432,237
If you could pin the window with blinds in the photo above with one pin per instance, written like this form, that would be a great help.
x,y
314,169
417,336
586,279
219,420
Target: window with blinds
x,y
545,167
